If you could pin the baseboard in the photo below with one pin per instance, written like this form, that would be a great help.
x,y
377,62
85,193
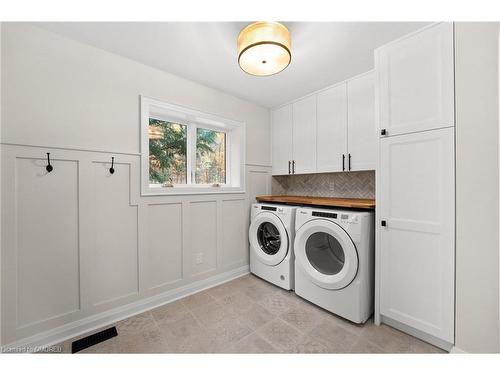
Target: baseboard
x,y
54,336
418,334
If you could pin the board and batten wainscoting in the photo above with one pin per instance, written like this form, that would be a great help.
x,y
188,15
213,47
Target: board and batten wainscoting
x,y
82,248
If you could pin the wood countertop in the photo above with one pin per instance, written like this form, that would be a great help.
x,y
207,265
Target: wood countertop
x,y
367,204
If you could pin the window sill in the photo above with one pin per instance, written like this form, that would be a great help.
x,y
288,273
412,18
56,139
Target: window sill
x,y
191,191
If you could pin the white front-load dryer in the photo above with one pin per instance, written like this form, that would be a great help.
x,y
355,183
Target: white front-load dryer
x,y
271,236
334,261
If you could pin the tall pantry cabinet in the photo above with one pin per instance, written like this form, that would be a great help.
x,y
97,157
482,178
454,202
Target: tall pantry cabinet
x,y
416,184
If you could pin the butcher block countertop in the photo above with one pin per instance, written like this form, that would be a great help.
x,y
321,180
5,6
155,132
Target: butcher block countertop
x,y
367,204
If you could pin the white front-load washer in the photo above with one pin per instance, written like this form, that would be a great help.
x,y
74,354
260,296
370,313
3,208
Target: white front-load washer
x,y
334,260
271,236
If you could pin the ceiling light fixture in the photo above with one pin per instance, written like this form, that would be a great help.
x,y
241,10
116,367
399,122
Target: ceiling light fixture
x,y
264,48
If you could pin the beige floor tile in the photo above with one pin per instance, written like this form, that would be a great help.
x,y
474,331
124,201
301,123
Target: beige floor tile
x,y
277,304
387,338
185,327
200,342
310,344
256,316
237,302
302,319
418,346
147,341
280,334
223,290
352,327
225,333
256,291
336,338
241,317
242,282
363,346
288,294
253,343
213,313
171,312
136,324
199,299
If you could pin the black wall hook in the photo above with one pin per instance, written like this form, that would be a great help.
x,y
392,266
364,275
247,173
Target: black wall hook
x,y
49,167
112,170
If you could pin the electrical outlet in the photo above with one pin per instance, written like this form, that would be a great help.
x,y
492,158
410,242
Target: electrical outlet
x,y
199,258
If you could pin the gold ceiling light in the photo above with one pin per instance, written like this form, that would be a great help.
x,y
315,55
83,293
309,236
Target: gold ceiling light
x,y
264,48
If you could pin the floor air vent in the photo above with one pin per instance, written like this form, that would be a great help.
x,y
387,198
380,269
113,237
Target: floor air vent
x,y
94,339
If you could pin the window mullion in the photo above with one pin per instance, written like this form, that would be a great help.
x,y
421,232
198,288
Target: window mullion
x,y
191,154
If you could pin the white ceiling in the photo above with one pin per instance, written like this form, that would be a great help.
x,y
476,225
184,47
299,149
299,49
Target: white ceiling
x,y
205,52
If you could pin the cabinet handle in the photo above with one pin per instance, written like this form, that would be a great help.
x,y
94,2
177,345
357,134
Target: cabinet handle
x,y
289,167
383,223
349,161
293,166
383,132
343,162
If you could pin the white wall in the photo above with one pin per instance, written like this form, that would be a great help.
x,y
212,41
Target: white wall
x,y
477,189
79,243
74,95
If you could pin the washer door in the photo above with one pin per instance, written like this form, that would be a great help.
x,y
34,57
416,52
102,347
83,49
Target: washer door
x,y
268,238
326,253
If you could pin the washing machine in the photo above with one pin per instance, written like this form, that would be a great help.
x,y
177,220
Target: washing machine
x,y
271,236
334,260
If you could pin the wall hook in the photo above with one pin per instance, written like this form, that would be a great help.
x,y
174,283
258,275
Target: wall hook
x,y
112,170
49,167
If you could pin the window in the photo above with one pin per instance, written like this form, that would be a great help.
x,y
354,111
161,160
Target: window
x,y
210,156
189,152
167,152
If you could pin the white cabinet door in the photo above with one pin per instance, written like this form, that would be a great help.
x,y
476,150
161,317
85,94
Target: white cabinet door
x,y
415,81
417,244
362,133
331,136
304,135
281,120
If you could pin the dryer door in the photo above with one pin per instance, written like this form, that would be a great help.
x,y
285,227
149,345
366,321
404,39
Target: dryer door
x,y
326,254
268,239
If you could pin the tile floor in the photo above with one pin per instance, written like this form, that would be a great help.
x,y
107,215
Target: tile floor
x,y
249,315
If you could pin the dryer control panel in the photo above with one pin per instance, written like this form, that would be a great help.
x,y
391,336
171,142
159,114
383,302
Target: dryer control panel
x,y
349,219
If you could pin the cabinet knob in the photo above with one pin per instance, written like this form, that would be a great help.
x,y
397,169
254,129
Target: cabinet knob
x,y
383,132
383,223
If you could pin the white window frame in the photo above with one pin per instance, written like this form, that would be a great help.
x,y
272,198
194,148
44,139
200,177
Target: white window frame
x,y
193,119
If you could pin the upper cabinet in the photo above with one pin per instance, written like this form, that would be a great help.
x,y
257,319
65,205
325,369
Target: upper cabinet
x,y
330,131
331,146
362,133
304,135
281,122
415,79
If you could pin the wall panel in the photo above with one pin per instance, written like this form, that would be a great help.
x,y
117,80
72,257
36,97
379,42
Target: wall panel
x,y
47,240
114,265
164,238
234,232
202,250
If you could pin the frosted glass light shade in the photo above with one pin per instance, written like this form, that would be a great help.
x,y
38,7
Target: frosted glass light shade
x,y
264,48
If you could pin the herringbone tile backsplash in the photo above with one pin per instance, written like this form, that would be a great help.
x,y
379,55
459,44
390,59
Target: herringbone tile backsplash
x,y
338,185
